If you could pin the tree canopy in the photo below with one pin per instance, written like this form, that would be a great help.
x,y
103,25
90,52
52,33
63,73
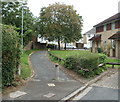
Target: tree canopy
x,y
60,22
12,15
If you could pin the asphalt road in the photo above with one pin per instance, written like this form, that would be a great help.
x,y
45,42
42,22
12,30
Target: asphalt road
x,y
44,85
45,70
104,90
101,93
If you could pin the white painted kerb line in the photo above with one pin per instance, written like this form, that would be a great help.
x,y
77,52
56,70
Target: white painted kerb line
x,y
83,93
51,84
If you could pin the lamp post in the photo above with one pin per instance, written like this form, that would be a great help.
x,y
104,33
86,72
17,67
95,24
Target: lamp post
x,y
22,30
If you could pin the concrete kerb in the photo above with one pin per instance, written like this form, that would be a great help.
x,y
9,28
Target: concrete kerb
x,y
79,90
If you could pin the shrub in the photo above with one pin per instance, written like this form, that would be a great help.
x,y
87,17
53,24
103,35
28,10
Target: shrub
x,y
85,64
102,58
10,54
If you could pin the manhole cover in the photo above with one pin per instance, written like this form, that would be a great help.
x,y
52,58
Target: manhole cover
x,y
49,95
17,94
51,84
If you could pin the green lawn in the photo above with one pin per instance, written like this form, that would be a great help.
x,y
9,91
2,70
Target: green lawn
x,y
25,69
112,60
65,53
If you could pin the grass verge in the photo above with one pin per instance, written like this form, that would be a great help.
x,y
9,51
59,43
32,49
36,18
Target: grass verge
x,y
114,61
65,53
82,62
25,69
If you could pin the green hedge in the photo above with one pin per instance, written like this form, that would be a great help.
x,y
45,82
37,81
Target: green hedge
x,y
85,64
10,54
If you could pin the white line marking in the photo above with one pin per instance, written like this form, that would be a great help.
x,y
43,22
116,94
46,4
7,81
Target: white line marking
x,y
49,95
82,94
51,84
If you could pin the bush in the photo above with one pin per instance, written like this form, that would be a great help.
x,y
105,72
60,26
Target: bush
x,y
85,64
10,54
102,58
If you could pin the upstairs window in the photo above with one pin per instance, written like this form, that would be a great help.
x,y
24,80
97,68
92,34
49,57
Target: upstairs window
x,y
89,36
99,29
108,26
117,24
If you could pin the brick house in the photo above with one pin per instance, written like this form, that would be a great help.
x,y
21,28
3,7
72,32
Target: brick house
x,y
107,37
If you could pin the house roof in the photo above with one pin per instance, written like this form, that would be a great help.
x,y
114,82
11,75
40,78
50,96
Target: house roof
x,y
92,31
115,36
96,38
114,17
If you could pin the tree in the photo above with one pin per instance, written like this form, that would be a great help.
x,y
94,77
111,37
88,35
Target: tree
x,y
12,15
60,22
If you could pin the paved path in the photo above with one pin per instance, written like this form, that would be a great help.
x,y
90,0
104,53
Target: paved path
x,y
44,85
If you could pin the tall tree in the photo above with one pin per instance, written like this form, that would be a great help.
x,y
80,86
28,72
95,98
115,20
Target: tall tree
x,y
12,15
60,22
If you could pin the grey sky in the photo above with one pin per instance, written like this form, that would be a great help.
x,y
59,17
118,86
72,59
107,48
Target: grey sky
x,y
92,11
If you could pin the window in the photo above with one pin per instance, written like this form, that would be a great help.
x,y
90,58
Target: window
x,y
99,29
117,24
88,35
108,26
113,44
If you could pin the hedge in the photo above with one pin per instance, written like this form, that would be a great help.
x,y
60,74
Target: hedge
x,y
85,64
10,54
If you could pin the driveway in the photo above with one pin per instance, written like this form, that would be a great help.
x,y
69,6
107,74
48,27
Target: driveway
x,y
45,84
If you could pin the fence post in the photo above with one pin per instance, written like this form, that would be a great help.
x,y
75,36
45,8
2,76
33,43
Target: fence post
x,y
57,71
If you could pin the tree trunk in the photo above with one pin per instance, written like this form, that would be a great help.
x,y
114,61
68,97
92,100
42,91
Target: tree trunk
x,y
65,46
58,43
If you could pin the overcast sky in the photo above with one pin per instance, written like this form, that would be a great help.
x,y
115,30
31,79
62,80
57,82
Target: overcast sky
x,y
92,11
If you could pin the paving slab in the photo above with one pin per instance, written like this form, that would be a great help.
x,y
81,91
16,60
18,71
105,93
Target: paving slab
x,y
17,94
